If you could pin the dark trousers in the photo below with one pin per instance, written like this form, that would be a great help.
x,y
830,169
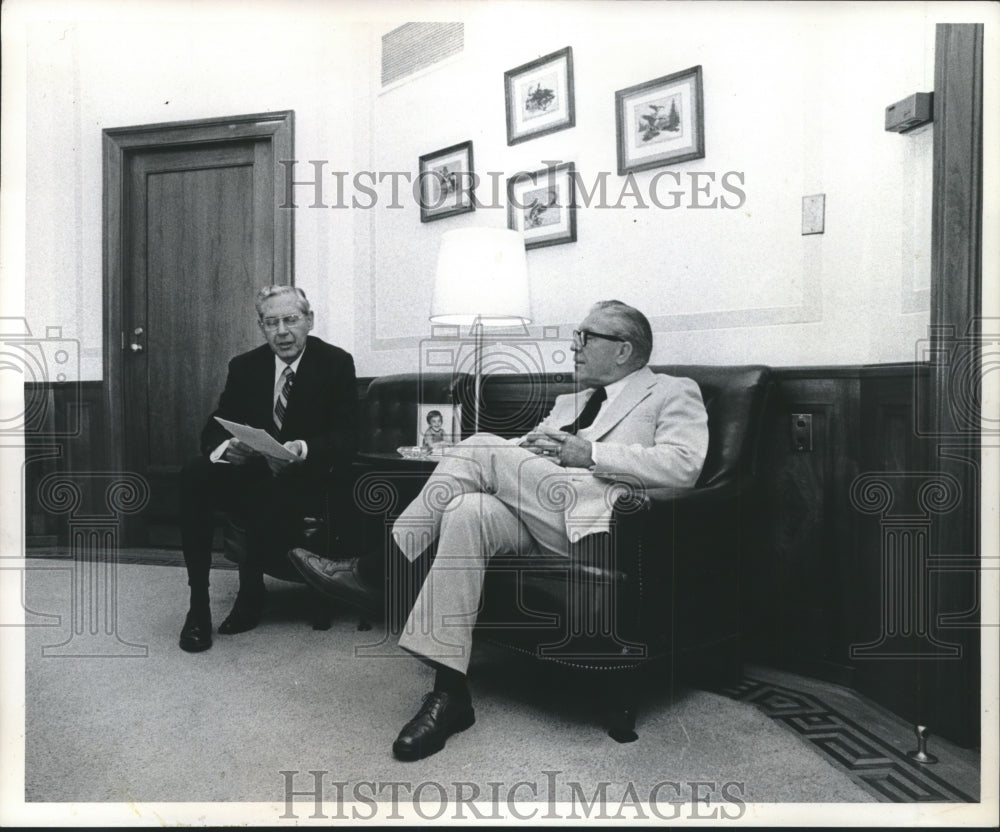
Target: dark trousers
x,y
269,508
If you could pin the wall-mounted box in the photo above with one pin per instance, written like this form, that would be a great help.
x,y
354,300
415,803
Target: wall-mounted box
x,y
909,113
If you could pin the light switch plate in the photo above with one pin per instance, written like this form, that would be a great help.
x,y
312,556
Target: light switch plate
x,y
813,213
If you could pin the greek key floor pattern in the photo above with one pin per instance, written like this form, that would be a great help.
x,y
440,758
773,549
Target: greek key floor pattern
x,y
874,764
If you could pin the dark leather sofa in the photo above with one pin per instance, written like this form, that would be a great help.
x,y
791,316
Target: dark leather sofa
x,y
662,588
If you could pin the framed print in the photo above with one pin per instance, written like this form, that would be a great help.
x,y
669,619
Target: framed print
x,y
446,182
660,122
542,205
439,426
540,97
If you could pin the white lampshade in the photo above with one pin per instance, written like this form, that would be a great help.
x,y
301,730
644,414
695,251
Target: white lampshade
x,y
482,274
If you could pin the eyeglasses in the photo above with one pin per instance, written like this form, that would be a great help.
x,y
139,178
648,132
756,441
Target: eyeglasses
x,y
581,336
271,324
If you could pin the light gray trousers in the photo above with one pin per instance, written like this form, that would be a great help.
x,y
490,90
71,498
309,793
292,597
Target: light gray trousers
x,y
486,497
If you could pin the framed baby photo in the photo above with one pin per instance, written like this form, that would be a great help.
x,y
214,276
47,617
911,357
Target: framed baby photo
x,y
439,426
660,122
446,182
542,205
540,97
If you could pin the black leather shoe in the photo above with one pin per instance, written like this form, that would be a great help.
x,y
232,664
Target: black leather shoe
x,y
196,635
339,580
441,715
245,615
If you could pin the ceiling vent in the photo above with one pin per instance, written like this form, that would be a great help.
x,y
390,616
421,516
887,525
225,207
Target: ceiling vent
x,y
415,46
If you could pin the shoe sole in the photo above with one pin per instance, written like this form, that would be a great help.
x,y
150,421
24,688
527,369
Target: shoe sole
x,y
409,754
194,648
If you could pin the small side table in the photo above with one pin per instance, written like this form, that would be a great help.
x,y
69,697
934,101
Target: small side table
x,y
393,461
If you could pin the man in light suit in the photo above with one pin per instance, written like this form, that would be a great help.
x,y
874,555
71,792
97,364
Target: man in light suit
x,y
302,391
490,496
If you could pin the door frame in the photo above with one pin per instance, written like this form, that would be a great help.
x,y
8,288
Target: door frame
x,y
119,143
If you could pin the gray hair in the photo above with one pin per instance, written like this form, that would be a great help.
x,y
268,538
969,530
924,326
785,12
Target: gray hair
x,y
634,327
278,291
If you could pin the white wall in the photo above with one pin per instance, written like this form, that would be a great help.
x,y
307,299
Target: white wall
x,y
87,74
794,99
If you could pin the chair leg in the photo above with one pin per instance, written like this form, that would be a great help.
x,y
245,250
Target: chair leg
x,y
621,722
620,706
317,610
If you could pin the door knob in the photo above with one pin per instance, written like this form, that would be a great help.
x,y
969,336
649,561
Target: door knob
x,y
135,346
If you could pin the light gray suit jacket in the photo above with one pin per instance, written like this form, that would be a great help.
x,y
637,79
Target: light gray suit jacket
x,y
654,433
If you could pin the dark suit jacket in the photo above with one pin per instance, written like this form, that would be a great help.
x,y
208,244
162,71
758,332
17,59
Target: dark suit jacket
x,y
322,408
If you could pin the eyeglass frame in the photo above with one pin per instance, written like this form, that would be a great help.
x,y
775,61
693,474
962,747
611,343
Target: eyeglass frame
x,y
581,336
288,320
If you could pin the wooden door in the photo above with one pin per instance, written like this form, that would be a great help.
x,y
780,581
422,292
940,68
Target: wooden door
x,y
198,220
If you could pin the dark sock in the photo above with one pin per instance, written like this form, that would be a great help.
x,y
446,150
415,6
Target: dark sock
x,y
251,583
199,599
450,681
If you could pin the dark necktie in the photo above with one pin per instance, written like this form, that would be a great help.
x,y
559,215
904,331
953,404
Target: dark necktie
x,y
282,401
589,412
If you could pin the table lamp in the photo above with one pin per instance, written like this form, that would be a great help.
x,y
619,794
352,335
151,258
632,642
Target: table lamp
x,y
481,280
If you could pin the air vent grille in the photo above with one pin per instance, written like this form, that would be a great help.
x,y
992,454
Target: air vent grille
x,y
415,46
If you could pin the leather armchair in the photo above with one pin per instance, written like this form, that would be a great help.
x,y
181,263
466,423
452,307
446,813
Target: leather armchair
x,y
663,585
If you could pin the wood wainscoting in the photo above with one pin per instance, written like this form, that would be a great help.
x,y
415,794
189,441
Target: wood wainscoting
x,y
845,584
66,440
819,581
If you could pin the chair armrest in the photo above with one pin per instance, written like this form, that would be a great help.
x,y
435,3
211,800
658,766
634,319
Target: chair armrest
x,y
658,498
679,550
667,534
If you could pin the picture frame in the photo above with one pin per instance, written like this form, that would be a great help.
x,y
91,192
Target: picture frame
x,y
542,205
450,423
446,182
539,97
660,122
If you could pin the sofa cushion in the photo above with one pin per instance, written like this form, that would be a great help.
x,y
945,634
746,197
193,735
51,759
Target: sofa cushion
x,y
389,411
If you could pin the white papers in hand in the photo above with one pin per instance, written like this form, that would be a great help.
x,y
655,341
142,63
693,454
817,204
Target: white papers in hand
x,y
258,439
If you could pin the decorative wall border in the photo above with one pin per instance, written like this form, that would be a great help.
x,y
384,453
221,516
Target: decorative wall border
x,y
810,310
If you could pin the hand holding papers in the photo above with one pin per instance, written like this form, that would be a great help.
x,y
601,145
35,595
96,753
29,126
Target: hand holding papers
x,y
260,440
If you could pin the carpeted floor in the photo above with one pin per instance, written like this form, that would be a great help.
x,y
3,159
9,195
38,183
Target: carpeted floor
x,y
117,712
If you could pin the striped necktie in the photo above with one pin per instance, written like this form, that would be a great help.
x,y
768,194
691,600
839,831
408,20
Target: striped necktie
x,y
281,403
589,412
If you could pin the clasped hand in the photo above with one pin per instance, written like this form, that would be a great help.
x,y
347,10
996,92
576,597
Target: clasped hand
x,y
563,448
239,453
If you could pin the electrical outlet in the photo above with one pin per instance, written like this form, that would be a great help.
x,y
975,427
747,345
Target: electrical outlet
x,y
802,431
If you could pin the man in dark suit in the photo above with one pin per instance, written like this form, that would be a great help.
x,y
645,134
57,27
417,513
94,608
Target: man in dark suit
x,y
302,391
